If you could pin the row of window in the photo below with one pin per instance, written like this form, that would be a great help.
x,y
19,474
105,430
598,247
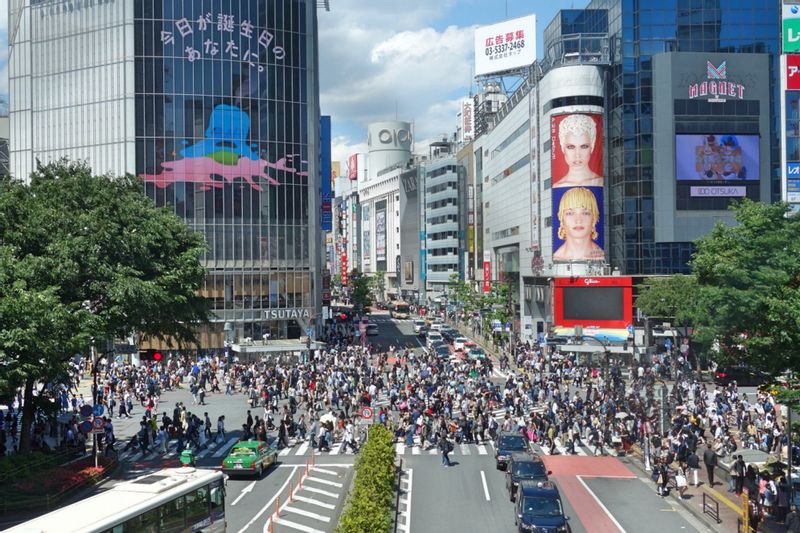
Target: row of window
x,y
442,170
510,170
511,138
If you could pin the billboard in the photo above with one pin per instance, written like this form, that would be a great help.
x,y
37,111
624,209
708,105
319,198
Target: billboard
x,y
793,72
604,302
380,235
717,157
352,167
467,120
326,214
791,27
577,177
505,46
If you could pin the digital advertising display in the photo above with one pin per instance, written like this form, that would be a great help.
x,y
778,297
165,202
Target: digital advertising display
x,y
602,302
717,157
577,177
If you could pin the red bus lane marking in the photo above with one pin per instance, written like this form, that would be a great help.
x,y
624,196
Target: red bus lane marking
x,y
565,471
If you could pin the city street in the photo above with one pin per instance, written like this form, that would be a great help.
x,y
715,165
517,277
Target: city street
x,y
598,494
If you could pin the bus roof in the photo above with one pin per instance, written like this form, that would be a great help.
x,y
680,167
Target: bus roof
x,y
121,502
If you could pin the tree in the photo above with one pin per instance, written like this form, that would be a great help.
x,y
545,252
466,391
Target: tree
x,y
378,283
360,294
748,279
675,297
84,257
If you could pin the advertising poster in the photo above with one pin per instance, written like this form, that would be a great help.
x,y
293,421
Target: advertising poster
x,y
506,45
367,250
577,174
380,235
717,157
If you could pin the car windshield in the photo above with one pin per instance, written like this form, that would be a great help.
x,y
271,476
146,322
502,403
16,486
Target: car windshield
x,y
442,349
514,442
243,452
542,507
529,469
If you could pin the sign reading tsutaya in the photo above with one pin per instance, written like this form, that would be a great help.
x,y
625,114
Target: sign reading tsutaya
x,y
284,314
505,46
717,84
467,120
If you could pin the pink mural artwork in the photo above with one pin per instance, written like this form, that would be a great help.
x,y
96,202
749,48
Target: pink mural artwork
x,y
202,169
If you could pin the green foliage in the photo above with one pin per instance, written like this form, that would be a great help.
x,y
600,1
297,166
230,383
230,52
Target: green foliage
x,y
378,283
369,508
85,256
670,297
748,294
360,290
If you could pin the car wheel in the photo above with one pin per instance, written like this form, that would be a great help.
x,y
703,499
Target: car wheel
x,y
259,471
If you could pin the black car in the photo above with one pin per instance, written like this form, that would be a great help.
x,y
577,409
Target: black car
x,y
538,508
442,351
449,334
507,444
524,467
423,332
744,376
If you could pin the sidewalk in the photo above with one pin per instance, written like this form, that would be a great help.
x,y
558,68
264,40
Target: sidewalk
x,y
730,505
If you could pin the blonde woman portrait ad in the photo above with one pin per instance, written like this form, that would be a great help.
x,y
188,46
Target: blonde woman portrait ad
x,y
578,224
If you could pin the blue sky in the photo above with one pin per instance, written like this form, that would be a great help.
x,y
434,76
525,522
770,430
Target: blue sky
x,y
378,56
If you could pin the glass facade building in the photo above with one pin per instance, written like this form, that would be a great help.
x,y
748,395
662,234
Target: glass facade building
x,y
638,30
214,104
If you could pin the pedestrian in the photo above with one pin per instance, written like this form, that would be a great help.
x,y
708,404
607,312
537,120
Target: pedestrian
x,y
221,428
680,479
693,465
445,447
710,460
738,471
793,520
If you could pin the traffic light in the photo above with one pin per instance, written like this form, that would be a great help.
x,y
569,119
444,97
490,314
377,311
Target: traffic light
x,y
150,355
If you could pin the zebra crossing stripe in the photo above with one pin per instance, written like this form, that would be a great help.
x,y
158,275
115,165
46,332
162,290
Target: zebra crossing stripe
x,y
336,448
400,449
224,448
465,449
284,452
482,449
303,448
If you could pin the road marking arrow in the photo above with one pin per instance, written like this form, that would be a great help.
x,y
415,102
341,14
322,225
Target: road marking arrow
x,y
248,488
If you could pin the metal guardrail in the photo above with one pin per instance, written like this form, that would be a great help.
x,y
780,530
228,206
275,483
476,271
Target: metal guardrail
x,y
711,507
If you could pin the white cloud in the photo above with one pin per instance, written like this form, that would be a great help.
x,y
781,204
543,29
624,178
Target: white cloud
x,y
386,58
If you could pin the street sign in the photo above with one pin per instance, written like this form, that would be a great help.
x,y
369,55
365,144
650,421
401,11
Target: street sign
x,y
668,344
630,330
86,426
309,331
98,424
366,413
98,410
86,411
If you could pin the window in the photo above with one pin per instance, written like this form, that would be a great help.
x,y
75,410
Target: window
x,y
197,506
172,516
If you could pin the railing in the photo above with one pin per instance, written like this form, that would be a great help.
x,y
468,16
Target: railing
x,y
711,507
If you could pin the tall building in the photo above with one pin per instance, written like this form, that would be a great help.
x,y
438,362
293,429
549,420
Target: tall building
x,y
215,106
581,174
693,33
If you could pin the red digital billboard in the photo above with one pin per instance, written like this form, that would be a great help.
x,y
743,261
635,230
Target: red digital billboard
x,y
602,302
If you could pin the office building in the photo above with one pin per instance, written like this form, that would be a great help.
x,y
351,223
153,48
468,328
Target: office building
x,y
215,106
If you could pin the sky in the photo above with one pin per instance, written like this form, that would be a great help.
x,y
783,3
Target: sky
x,y
381,59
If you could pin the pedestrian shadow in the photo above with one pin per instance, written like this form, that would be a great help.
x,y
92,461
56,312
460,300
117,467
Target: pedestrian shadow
x,y
454,463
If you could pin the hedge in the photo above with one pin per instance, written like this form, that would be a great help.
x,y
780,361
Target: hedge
x,y
370,506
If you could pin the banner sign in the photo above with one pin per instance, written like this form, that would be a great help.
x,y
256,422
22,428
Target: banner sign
x,y
505,46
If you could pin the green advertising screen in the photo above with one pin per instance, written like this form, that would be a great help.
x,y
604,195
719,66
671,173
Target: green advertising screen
x,y
791,35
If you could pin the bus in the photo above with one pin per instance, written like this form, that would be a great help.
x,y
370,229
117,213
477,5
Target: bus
x,y
398,310
172,499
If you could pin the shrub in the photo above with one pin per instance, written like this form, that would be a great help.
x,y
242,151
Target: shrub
x,y
369,508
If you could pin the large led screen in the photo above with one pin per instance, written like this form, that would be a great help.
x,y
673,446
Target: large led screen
x,y
577,175
717,158
593,303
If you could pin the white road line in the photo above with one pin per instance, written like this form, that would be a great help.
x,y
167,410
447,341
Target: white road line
x,y
284,452
337,465
465,449
312,501
293,525
433,451
303,448
400,449
150,457
224,448
335,449
603,507
309,514
244,493
485,486
318,469
408,500
315,490
482,449
416,450
324,481
270,502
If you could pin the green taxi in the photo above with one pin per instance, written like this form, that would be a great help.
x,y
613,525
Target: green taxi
x,y
249,457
